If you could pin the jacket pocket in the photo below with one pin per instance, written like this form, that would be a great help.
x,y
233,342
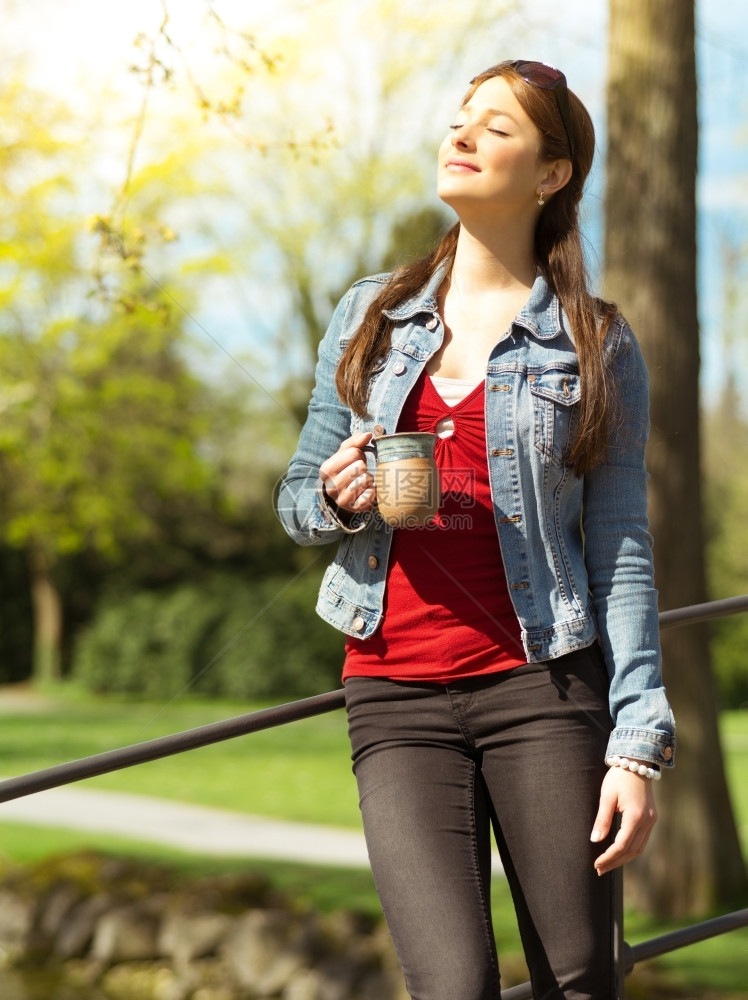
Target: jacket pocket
x,y
555,401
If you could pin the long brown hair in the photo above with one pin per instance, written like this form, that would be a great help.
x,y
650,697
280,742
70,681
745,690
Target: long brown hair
x,y
560,258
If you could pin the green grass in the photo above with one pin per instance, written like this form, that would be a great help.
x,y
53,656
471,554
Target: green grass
x,y
302,772
717,968
734,731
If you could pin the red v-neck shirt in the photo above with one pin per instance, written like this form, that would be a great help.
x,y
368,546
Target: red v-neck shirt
x,y
447,610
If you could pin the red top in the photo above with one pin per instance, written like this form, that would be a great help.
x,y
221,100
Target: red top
x,y
447,610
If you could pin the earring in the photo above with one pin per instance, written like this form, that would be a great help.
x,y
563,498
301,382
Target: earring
x,y
541,199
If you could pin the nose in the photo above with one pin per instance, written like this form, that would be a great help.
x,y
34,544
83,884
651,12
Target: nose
x,y
461,136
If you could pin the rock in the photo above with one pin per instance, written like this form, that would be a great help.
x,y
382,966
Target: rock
x,y
80,975
129,932
342,925
333,979
187,936
266,948
142,982
75,934
115,929
55,906
94,872
381,985
232,894
305,985
214,993
210,979
16,924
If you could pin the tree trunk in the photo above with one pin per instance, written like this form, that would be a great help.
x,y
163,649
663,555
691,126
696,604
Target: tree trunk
x,y
694,861
47,608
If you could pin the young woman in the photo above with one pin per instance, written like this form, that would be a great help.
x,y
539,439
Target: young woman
x,y
502,667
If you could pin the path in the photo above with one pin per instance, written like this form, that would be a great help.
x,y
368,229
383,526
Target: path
x,y
189,827
192,828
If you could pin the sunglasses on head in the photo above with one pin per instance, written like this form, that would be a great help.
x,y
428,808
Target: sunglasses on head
x,y
538,74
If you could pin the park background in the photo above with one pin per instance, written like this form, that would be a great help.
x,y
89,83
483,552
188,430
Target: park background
x,y
187,189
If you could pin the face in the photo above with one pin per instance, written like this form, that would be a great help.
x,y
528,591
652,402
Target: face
x,y
490,160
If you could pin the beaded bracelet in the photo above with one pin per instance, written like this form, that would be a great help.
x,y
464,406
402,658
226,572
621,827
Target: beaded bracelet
x,y
653,773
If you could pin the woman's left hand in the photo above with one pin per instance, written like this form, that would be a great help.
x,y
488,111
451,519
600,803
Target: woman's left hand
x,y
633,797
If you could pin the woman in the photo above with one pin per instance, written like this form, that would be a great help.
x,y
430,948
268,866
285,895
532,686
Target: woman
x,y
502,670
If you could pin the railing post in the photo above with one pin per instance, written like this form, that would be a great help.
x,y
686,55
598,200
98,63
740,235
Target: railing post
x,y
619,945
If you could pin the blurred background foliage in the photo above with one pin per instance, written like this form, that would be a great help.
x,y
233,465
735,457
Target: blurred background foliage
x,y
139,443
221,636
139,550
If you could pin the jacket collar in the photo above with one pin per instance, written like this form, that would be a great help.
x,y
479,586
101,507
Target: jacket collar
x,y
424,300
541,315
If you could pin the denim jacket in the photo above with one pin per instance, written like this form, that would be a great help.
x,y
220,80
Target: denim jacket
x,y
577,550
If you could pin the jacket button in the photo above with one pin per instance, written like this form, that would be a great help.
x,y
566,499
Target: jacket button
x,y
358,624
373,562
431,323
667,753
398,368
378,430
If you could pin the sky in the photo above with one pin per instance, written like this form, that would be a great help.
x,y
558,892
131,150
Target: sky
x,y
78,45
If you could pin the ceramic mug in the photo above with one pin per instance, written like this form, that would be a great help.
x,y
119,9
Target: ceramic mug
x,y
406,478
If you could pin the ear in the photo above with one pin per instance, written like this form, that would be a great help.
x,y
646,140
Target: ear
x,y
556,175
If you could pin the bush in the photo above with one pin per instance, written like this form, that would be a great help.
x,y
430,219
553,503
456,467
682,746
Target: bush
x,y
224,637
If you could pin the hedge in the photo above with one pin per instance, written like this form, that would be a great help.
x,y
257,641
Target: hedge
x,y
224,637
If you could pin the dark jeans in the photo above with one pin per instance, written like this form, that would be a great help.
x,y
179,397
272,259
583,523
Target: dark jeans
x,y
436,767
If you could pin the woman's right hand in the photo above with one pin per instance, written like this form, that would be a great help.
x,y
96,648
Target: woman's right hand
x,y
347,481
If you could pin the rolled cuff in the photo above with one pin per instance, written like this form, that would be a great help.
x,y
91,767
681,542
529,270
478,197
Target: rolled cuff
x,y
350,523
649,745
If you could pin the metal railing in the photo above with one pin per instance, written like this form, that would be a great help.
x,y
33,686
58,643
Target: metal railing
x,y
626,956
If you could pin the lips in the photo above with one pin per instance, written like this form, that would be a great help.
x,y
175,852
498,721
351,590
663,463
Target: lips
x,y
462,165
